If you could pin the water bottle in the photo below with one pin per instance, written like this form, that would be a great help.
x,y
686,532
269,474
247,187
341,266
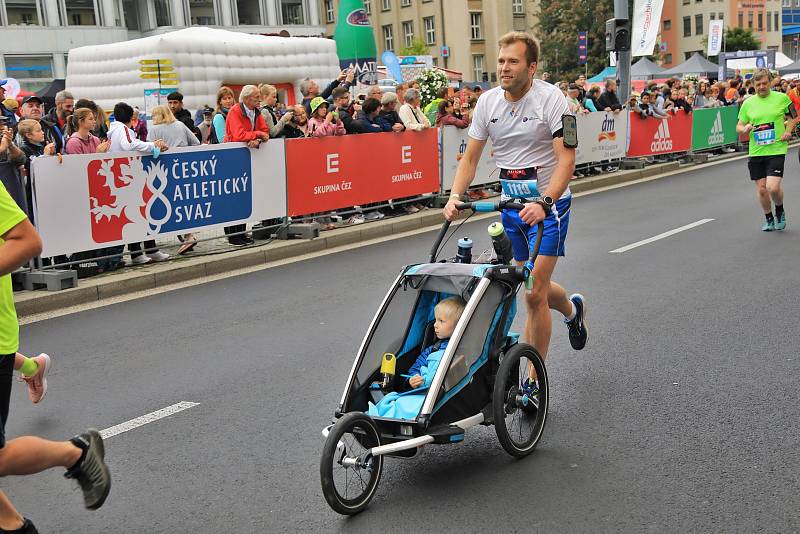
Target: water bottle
x,y
464,254
501,243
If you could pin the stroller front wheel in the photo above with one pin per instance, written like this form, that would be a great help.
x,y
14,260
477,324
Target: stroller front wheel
x,y
348,472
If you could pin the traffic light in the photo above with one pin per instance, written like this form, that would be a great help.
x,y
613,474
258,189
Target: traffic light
x,y
618,35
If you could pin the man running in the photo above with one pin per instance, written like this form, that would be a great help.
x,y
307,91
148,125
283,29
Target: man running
x,y
83,455
762,117
523,118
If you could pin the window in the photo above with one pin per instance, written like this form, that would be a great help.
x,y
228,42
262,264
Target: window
x,y
292,12
202,12
776,24
368,7
720,17
761,22
386,5
22,12
36,71
162,13
667,25
408,32
388,37
517,8
750,20
698,24
687,26
131,10
668,59
405,3
430,30
740,19
80,12
769,22
477,67
329,17
712,16
475,26
249,12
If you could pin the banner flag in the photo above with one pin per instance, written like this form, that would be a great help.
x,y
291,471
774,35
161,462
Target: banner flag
x,y
646,21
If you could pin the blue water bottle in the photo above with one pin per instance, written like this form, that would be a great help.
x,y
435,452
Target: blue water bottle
x,y
464,254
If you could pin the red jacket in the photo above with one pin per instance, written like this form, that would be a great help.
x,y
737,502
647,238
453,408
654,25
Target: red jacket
x,y
239,128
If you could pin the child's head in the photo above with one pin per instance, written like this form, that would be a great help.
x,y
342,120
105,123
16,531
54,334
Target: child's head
x,y
31,131
447,314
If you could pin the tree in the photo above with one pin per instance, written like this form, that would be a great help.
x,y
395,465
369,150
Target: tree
x,y
417,48
740,39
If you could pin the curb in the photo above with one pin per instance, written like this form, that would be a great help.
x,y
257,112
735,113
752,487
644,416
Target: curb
x,y
154,276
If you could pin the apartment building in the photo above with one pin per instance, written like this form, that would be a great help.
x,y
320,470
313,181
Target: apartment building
x,y
684,24
36,35
467,29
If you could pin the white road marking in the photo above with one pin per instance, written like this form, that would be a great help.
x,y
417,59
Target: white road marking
x,y
148,418
626,248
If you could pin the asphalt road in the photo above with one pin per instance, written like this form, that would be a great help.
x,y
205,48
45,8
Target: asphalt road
x,y
680,414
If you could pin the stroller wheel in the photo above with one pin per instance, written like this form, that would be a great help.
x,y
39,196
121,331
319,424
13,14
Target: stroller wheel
x,y
349,474
519,418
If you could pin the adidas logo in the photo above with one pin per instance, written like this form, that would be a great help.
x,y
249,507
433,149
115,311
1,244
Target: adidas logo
x,y
717,136
661,141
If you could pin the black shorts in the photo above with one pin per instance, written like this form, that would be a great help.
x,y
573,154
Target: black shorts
x,y
763,166
6,372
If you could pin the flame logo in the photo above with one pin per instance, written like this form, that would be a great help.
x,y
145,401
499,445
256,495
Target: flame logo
x,y
607,136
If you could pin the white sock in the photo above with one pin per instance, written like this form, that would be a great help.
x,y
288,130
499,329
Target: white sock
x,y
572,315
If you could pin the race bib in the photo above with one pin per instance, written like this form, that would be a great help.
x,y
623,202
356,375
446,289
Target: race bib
x,y
522,189
764,134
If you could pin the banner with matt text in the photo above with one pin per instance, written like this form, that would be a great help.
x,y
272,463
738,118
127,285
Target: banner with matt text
x,y
93,201
454,143
652,136
601,136
646,21
713,127
329,173
715,30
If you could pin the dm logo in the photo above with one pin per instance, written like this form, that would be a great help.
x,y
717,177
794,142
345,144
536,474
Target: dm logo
x,y
358,17
132,198
607,132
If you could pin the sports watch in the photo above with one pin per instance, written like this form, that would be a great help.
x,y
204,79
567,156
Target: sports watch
x,y
545,202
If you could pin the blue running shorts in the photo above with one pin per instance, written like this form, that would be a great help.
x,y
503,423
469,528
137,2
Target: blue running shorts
x,y
523,236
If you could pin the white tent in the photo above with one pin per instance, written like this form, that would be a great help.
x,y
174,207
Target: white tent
x,y
749,63
203,60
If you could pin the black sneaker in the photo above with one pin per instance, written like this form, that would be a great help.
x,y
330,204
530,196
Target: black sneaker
x,y
577,326
91,473
26,528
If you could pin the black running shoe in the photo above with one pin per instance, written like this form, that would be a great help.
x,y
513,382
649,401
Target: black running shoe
x,y
92,473
577,326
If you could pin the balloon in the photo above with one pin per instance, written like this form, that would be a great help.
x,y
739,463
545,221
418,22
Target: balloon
x,y
12,88
392,65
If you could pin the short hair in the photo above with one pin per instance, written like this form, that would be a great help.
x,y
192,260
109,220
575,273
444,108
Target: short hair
x,y
452,307
339,92
247,90
266,89
411,95
175,95
609,83
762,73
222,93
86,103
305,86
573,87
123,113
371,105
531,46
443,106
162,115
64,95
27,126
441,92
388,97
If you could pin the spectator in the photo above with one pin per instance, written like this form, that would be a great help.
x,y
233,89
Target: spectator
x,y
123,139
432,109
699,100
5,111
609,101
82,141
101,131
389,118
477,91
564,86
712,97
32,109
644,109
11,159
657,105
206,126
65,103
175,101
33,144
546,77
323,122
681,100
139,124
375,92
225,101
592,96
794,96
400,90
412,116
310,90
341,101
574,100
269,96
446,116
297,127
366,120
732,93
245,123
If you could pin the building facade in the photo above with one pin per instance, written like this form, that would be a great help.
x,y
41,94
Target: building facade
x,y
791,28
468,28
37,35
684,24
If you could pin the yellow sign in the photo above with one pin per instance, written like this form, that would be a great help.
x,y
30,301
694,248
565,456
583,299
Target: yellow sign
x,y
161,62
169,82
154,76
156,69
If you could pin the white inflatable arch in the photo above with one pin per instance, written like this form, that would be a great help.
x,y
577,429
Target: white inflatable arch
x,y
204,60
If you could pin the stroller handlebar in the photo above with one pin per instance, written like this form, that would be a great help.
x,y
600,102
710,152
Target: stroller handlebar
x,y
484,207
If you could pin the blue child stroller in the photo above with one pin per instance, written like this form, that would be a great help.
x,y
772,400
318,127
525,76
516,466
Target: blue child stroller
x,y
477,380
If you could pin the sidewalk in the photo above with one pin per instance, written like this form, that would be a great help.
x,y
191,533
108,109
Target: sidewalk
x,y
214,261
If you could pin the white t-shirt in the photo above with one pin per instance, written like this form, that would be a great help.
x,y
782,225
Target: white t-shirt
x,y
522,131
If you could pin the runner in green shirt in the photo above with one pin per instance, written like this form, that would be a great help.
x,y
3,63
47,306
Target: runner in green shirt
x,y
83,455
762,117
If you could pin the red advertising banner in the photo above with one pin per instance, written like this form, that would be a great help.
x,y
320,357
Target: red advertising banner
x,y
329,173
653,136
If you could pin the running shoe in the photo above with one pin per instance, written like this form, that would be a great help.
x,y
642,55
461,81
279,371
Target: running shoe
x,y
92,472
530,387
577,326
159,256
768,226
530,395
37,383
780,221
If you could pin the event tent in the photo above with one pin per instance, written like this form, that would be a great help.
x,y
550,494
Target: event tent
x,y
644,69
606,73
791,68
696,64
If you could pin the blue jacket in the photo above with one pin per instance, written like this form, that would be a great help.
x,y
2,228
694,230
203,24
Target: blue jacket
x,y
422,359
363,124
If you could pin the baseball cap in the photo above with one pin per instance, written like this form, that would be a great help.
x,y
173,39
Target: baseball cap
x,y
31,97
11,103
3,82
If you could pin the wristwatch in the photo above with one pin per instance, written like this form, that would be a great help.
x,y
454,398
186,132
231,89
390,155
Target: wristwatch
x,y
545,202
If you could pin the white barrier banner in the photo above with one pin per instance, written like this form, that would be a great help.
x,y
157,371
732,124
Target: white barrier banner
x,y
99,200
454,143
601,136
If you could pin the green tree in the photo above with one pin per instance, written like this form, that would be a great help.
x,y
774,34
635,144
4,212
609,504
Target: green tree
x,y
417,48
740,39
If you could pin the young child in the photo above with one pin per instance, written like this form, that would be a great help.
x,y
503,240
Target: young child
x,y
407,405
